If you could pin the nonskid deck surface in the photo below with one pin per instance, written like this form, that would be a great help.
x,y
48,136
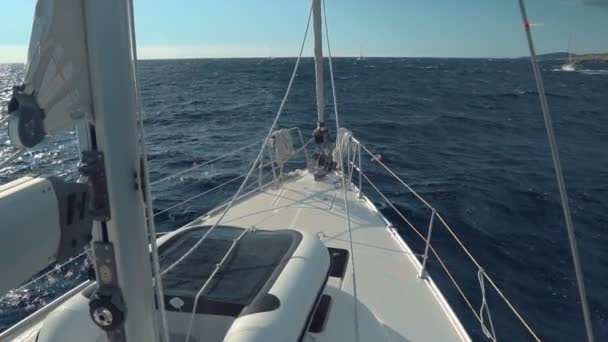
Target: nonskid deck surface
x,y
388,289
393,304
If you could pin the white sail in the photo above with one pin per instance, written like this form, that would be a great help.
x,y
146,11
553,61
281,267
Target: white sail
x,y
571,64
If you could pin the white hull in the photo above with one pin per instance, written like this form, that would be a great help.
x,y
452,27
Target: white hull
x,y
569,67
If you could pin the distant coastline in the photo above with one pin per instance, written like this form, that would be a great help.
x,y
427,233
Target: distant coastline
x,y
589,57
555,56
593,57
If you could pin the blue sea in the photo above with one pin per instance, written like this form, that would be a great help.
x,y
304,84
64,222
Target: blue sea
x,y
467,134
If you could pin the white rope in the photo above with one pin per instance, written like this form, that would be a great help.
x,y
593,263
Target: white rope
x,y
446,270
59,267
377,160
430,246
12,157
217,159
452,233
491,334
199,195
46,274
344,174
409,223
301,149
283,148
252,188
558,173
205,163
208,281
276,119
4,120
253,165
145,183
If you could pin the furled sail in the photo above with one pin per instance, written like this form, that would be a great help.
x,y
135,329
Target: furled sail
x,y
56,84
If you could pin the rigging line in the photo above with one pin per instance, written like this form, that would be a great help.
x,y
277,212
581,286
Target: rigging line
x,y
509,304
254,187
515,312
461,245
451,231
197,196
12,157
301,149
208,281
491,334
558,173
253,165
344,185
204,164
447,271
409,223
431,248
144,179
377,160
46,274
213,161
434,253
4,120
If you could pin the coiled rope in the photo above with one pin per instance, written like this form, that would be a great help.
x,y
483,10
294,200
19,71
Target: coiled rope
x,y
491,334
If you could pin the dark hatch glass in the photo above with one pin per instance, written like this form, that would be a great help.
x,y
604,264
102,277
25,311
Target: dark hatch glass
x,y
251,264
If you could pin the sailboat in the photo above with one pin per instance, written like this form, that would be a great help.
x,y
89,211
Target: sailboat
x,y
360,58
571,64
302,256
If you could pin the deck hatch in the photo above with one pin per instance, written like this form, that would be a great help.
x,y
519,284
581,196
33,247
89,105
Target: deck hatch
x,y
339,261
320,316
254,264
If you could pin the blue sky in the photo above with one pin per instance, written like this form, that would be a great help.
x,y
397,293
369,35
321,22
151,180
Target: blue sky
x,y
249,28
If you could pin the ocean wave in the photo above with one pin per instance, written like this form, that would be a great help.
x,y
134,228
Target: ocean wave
x,y
467,134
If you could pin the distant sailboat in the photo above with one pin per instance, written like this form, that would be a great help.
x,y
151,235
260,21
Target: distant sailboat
x,y
571,64
360,58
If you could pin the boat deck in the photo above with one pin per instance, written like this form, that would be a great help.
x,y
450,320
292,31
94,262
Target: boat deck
x,y
393,303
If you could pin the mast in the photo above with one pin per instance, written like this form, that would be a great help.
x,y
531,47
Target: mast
x,y
320,133
569,50
572,55
540,87
123,240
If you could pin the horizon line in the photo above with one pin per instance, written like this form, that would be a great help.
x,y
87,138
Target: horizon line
x,y
345,56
